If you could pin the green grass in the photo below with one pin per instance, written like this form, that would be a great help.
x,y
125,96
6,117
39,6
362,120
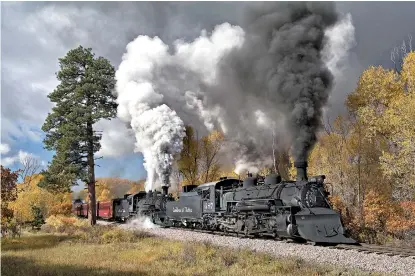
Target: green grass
x,y
109,251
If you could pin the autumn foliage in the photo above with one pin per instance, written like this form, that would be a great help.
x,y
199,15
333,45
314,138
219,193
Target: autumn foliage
x,y
108,188
33,195
368,155
114,187
8,193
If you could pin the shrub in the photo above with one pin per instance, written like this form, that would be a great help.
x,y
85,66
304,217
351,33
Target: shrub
x,y
88,234
64,208
64,224
117,235
11,227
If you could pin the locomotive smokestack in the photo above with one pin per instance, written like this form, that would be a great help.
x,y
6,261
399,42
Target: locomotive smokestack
x,y
301,170
165,190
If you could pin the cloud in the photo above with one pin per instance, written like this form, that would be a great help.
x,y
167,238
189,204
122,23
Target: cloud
x,y
4,148
19,157
36,35
117,140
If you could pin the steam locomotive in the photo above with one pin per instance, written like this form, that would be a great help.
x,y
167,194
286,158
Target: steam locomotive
x,y
297,210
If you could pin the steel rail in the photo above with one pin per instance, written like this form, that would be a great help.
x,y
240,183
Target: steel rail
x,y
406,252
363,247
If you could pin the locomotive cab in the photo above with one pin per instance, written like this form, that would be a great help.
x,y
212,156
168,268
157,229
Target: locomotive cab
x,y
212,193
133,201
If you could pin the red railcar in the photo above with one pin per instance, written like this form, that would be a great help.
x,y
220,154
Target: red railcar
x,y
80,209
105,209
84,210
76,207
116,209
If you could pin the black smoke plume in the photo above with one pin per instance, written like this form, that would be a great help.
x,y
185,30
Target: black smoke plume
x,y
281,65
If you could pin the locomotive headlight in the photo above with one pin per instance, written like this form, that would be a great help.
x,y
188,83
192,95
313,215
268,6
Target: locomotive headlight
x,y
319,179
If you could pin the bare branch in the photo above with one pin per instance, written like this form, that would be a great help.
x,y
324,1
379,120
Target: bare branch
x,y
31,166
393,58
403,49
327,126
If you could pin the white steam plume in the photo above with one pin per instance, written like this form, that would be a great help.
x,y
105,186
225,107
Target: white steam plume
x,y
156,90
158,129
140,222
340,39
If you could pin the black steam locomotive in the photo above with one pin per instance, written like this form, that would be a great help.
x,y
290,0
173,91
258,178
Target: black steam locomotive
x,y
297,210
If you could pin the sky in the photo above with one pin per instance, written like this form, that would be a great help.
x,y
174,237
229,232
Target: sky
x,y
35,34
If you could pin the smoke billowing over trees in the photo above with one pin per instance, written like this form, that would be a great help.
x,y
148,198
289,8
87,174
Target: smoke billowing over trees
x,y
262,84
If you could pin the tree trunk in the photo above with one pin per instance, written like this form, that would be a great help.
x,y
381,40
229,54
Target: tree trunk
x,y
92,214
359,193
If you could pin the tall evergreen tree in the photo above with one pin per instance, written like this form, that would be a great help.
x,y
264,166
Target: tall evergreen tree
x,y
83,97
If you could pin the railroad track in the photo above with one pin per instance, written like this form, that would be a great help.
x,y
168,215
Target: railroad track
x,y
377,249
363,248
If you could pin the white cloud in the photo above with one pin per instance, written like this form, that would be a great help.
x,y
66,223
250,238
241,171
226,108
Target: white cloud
x,y
7,161
20,129
22,155
117,140
37,37
19,157
4,148
34,44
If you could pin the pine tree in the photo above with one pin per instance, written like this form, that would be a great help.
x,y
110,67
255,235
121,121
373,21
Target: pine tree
x,y
38,219
83,97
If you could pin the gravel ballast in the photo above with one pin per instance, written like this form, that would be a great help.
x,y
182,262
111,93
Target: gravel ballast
x,y
345,258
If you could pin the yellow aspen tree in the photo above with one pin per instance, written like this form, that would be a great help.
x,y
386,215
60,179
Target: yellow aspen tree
x,y
398,162
105,195
189,161
33,195
377,89
210,146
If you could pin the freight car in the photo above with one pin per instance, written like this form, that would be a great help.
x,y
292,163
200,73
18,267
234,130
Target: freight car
x,y
116,209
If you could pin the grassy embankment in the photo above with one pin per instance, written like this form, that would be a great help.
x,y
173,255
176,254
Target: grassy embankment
x,y
104,250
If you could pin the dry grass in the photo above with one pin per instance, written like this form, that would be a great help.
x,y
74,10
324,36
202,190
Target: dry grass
x,y
109,251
